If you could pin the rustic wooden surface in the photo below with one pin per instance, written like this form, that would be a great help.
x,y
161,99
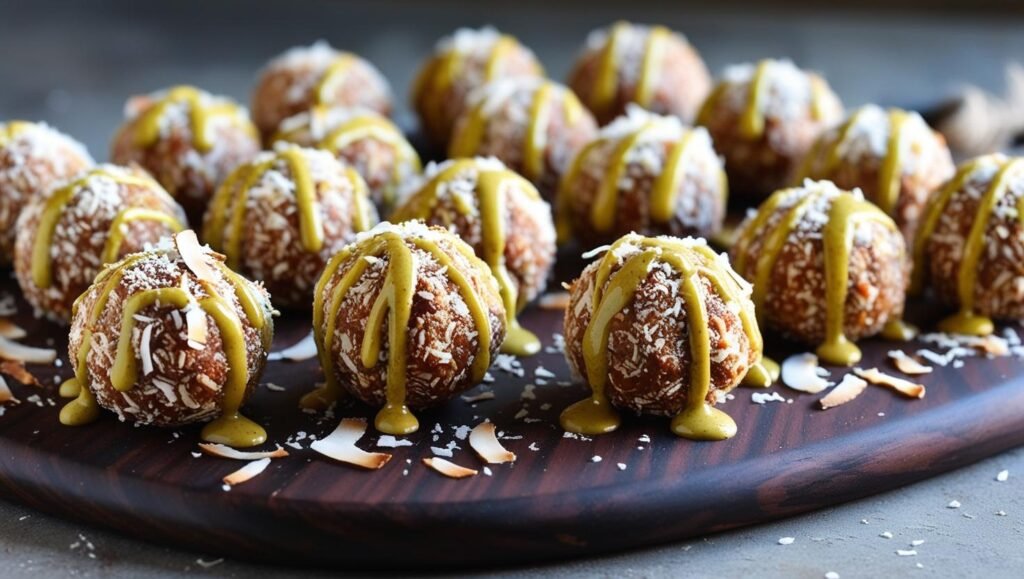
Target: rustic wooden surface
x,y
553,502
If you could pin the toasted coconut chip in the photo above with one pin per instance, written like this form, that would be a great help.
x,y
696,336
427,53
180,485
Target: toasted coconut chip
x,y
10,330
247,472
21,353
849,388
554,301
193,255
907,364
341,445
905,387
484,441
17,370
198,329
225,451
993,345
448,468
800,372
304,349
5,393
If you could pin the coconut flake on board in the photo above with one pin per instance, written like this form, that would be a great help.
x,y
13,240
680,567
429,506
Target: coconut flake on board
x,y
10,330
10,350
225,451
304,349
802,372
448,468
907,364
5,393
247,472
341,446
484,440
848,388
879,378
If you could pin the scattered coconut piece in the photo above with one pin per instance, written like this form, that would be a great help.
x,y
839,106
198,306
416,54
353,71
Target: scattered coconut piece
x,y
193,255
906,552
341,446
304,349
10,350
800,372
885,535
766,397
992,345
954,504
908,365
484,440
831,575
17,370
10,330
787,540
5,393
849,388
905,387
225,451
247,472
486,395
448,468
389,441
1003,476
554,301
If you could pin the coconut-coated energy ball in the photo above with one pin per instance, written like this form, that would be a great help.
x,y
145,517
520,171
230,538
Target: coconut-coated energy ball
x,y
643,173
405,317
651,66
169,337
827,266
461,63
764,118
306,76
892,156
188,140
970,247
33,158
659,325
362,138
65,236
534,126
280,218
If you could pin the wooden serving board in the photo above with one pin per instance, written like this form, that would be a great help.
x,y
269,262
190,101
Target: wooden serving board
x,y
555,501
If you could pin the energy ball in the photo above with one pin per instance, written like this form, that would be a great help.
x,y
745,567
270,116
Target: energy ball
x,y
405,317
280,218
461,63
651,66
65,236
828,268
764,118
534,126
188,139
970,246
33,158
659,325
168,337
366,140
644,173
304,77
506,222
892,156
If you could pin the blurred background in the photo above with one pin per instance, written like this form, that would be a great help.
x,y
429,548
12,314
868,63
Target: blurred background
x,y
73,64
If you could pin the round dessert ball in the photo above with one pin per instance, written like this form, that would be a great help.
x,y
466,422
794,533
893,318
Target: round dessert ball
x,y
659,325
65,236
169,337
502,217
364,139
33,158
828,268
306,76
970,245
280,218
461,63
188,139
405,317
651,66
644,173
892,156
534,126
764,118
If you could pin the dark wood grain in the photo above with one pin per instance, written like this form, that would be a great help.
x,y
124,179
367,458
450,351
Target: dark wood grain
x,y
554,502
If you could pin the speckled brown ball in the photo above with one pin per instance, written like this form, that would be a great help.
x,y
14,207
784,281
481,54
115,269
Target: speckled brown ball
x,y
796,106
363,139
857,153
92,211
939,251
534,126
187,382
450,197
794,297
33,158
649,353
257,220
188,140
651,66
306,76
461,63
442,336
634,156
